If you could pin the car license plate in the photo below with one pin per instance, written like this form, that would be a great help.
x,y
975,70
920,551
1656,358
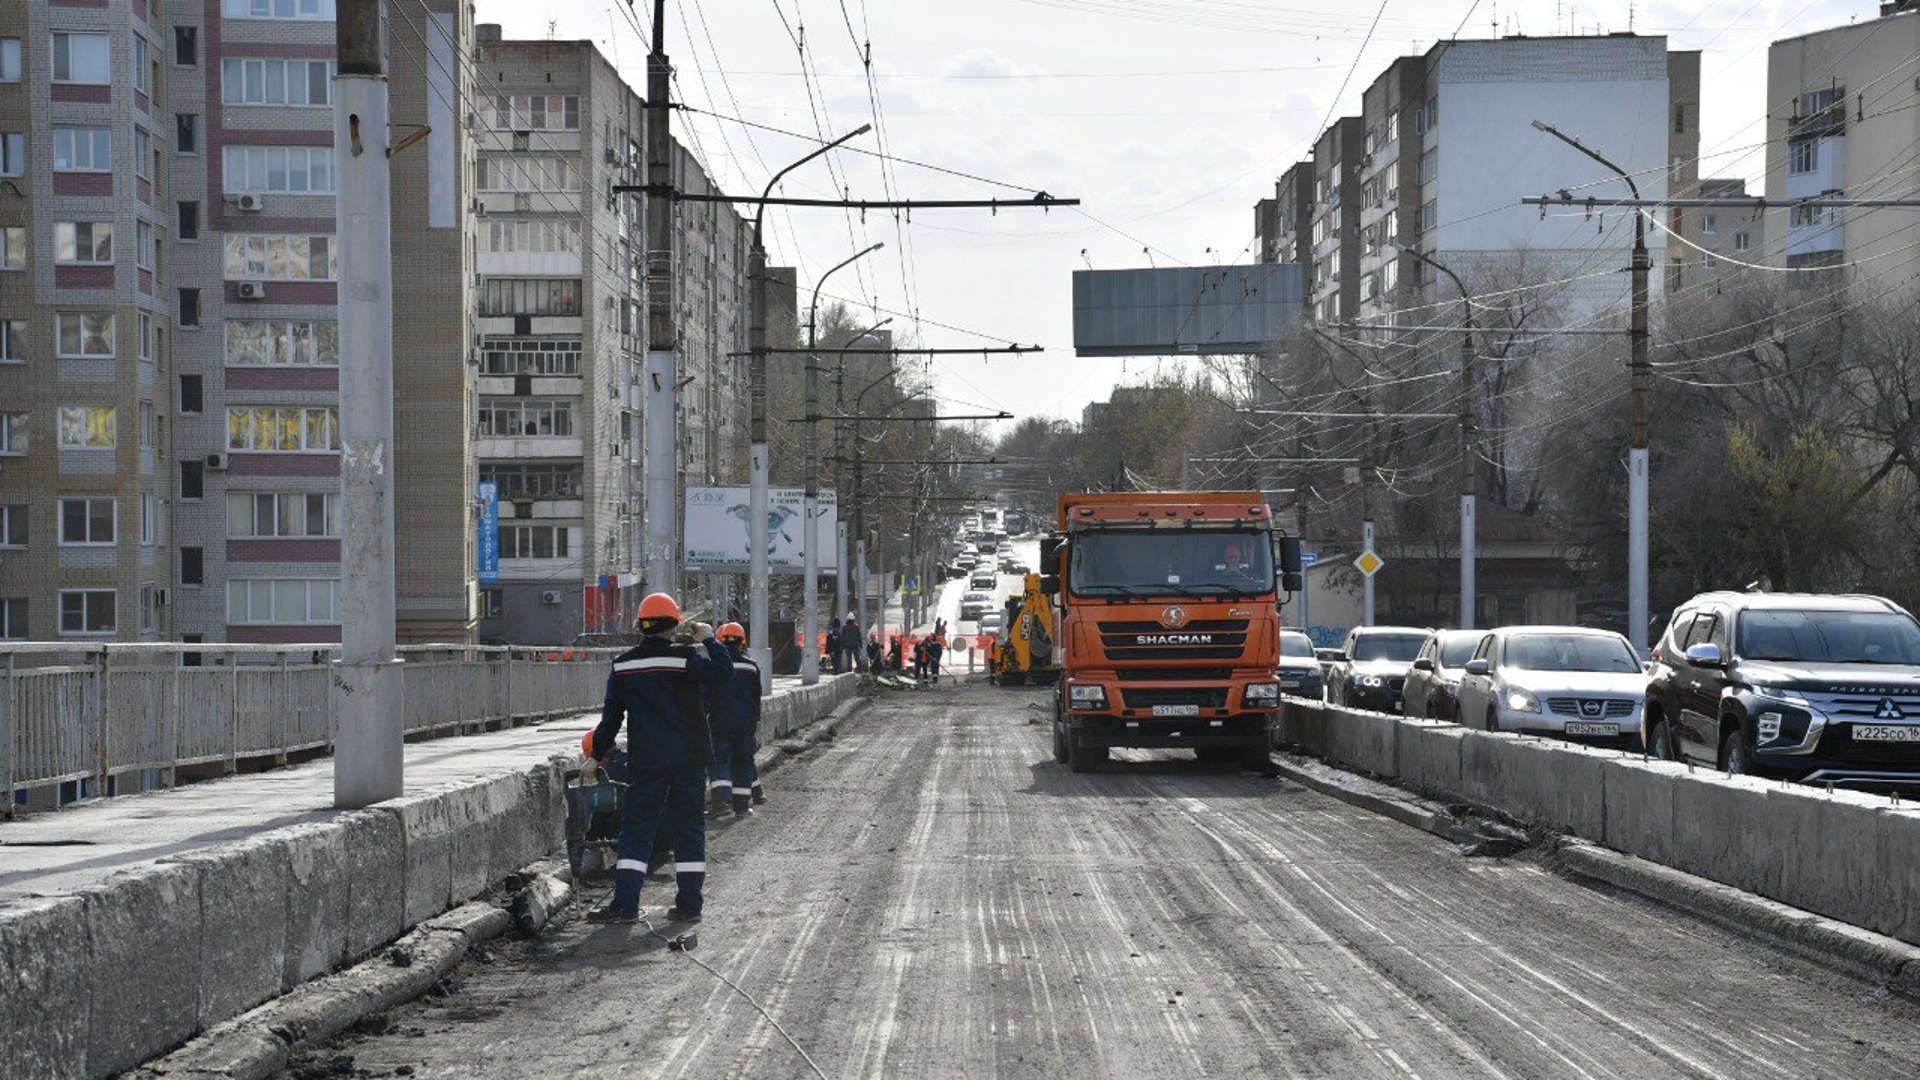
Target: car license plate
x,y
1176,710
1885,733
1291,684
1593,729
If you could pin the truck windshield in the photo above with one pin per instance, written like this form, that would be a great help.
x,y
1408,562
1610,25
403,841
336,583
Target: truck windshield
x,y
1829,637
1159,562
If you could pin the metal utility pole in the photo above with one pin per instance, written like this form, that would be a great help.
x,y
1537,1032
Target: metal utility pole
x,y
659,390
369,746
842,534
810,502
759,647
1468,541
1640,375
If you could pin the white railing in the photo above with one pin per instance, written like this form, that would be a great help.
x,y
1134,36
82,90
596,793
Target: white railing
x,y
94,713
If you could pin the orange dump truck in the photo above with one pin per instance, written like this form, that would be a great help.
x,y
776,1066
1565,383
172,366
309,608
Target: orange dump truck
x,y
1169,623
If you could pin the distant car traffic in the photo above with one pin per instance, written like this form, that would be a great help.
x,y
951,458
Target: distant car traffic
x,y
1571,681
1433,686
984,577
1299,670
975,604
1369,670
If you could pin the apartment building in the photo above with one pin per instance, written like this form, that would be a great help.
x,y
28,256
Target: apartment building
x,y
1333,242
1283,224
1728,235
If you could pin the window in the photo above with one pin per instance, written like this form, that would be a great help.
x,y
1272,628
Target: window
x,y
82,58
1709,224
506,416
142,77
146,425
9,59
13,153
530,356
296,169
147,519
88,427
1741,241
272,341
88,521
1428,117
144,336
87,611
277,9
83,242
13,248
1680,118
279,258
186,46
13,433
186,133
1393,127
517,481
13,341
535,235
531,296
142,153
186,225
1802,155
534,541
82,149
190,309
149,610
282,429
522,172
13,618
193,479
258,514
191,399
537,112
84,334
193,566
281,601
13,525
276,82
145,252
1809,216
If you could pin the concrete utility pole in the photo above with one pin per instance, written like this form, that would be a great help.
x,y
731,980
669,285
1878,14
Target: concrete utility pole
x,y
369,746
760,648
660,392
1640,375
1468,542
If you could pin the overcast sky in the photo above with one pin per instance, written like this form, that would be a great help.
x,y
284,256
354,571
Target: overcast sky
x,y
1168,119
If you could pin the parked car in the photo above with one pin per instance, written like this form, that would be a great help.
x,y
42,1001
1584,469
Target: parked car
x,y
1299,669
975,604
1794,685
1433,685
1571,681
1369,670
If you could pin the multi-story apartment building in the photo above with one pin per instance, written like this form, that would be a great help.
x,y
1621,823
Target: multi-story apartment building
x,y
1283,224
1333,242
1728,235
562,317
1839,124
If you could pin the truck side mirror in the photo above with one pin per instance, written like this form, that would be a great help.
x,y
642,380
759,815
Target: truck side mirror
x,y
1286,550
1050,585
1050,554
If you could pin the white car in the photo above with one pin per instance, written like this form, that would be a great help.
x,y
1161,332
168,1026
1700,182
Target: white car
x,y
975,604
984,577
1570,681
992,623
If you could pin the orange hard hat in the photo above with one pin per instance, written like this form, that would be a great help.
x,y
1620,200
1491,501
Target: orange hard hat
x,y
732,631
658,606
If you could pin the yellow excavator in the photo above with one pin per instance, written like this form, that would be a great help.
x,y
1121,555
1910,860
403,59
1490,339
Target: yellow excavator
x,y
1023,651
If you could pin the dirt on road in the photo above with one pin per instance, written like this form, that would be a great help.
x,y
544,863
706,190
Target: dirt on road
x,y
930,895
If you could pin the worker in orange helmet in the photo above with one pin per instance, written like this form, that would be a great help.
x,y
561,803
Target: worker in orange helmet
x,y
657,690
735,718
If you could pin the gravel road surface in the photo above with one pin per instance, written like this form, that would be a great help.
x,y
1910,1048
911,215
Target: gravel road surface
x,y
930,895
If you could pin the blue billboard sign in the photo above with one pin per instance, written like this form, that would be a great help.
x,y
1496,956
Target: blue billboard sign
x,y
489,495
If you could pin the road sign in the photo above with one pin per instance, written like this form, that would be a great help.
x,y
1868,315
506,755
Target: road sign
x,y
1308,558
1368,563
911,585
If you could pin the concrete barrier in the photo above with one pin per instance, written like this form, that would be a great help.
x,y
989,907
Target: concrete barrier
x,y
95,983
1429,757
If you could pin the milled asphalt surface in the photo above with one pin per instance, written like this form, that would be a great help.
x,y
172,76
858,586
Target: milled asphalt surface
x,y
930,895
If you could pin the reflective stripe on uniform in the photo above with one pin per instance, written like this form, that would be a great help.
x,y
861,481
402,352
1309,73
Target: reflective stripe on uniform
x,y
742,665
719,784
651,663
690,868
631,864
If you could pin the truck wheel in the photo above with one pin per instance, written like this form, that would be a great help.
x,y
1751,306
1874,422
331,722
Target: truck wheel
x,y
1259,759
1084,758
1059,742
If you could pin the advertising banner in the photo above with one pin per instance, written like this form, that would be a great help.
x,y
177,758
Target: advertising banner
x,y
489,495
719,530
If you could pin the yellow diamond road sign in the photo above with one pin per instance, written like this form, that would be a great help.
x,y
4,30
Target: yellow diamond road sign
x,y
1369,563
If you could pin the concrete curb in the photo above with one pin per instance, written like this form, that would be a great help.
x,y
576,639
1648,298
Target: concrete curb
x,y
260,1043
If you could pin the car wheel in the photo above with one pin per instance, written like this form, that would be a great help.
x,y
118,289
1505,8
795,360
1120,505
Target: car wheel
x,y
1456,717
1492,720
1660,741
1734,758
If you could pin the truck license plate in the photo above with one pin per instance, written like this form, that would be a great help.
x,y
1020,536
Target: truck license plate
x,y
1176,710
1885,733
1593,729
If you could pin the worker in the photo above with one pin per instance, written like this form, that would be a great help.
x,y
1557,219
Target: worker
x,y
655,689
736,725
850,638
936,645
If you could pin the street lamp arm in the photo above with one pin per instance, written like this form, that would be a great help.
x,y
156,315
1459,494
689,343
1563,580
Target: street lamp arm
x,y
813,309
1457,283
760,213
1578,145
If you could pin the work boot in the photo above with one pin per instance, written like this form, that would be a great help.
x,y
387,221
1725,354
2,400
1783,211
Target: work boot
x,y
759,795
742,806
608,913
678,914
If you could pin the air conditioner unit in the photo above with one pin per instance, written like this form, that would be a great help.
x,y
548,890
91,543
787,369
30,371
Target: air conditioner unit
x,y
253,204
217,462
551,596
252,290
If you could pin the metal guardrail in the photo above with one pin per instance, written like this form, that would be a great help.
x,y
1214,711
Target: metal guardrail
x,y
93,712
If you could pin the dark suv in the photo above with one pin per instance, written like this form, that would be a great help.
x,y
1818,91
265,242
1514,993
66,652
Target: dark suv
x,y
1369,670
1794,685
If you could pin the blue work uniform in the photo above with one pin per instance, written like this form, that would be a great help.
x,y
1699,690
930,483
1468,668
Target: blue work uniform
x,y
734,715
656,688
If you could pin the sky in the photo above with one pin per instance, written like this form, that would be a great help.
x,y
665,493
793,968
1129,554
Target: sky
x,y
1167,119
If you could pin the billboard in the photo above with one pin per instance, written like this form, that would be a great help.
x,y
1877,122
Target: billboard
x,y
1186,309
489,554
719,530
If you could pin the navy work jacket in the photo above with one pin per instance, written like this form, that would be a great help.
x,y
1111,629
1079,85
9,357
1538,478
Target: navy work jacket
x,y
657,688
736,703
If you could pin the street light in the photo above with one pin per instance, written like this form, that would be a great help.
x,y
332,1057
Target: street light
x,y
761,648
1639,370
1468,539
810,502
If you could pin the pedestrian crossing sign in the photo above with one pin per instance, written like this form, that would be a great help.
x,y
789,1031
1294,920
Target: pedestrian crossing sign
x,y
911,585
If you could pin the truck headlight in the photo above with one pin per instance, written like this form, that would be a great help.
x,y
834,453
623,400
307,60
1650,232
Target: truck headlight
x,y
1087,697
1263,693
1521,701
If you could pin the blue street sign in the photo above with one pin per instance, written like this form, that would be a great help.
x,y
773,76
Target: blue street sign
x,y
489,554
1308,558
